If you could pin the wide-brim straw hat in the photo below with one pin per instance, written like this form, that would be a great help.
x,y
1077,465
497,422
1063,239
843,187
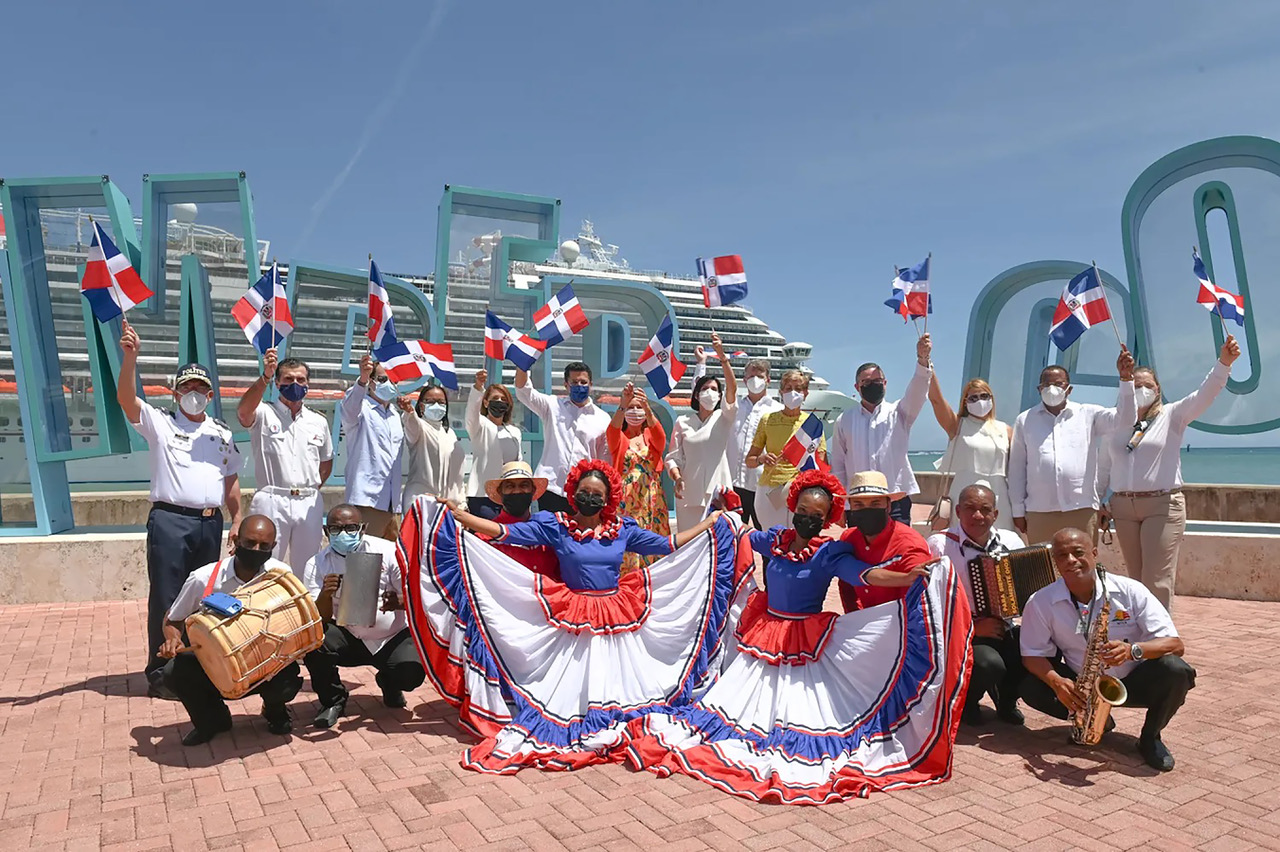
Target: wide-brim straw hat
x,y
868,482
515,470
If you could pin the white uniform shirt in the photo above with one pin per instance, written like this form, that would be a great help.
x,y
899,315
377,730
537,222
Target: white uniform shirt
x,y
877,439
745,423
492,445
388,624
287,451
197,586
959,548
374,435
1155,464
570,434
190,461
1053,460
1053,622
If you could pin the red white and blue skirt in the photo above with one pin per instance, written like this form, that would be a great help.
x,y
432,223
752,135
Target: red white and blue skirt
x,y
549,677
820,708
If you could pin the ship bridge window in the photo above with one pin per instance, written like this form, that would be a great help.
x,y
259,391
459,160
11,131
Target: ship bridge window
x,y
4,421
86,421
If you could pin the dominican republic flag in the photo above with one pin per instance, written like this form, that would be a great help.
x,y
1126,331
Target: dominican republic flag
x,y
1083,304
503,342
110,283
382,329
723,280
659,361
802,449
1224,303
560,318
263,312
911,292
407,360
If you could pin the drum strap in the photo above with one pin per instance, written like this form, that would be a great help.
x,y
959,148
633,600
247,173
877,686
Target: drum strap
x,y
213,578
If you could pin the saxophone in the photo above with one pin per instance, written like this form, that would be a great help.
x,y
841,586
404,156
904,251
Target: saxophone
x,y
1101,691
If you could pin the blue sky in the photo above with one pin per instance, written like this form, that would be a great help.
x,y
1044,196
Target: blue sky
x,y
824,141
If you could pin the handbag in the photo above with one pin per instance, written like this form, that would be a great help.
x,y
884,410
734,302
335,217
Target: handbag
x,y
940,515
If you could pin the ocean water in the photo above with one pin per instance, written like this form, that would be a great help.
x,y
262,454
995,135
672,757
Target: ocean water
x,y
1207,466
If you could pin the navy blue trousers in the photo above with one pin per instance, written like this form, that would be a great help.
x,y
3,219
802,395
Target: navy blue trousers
x,y
176,546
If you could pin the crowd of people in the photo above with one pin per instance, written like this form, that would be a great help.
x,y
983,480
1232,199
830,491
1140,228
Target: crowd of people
x,y
589,631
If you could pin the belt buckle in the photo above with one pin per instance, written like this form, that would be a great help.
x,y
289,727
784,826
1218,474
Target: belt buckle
x,y
295,492
207,513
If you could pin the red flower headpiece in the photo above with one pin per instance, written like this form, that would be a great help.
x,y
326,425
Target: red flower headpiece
x,y
610,511
818,479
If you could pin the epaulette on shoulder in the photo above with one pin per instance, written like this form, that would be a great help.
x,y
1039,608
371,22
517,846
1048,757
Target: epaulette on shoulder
x,y
949,534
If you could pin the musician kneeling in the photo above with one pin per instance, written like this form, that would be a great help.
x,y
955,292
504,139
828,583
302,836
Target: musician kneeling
x,y
386,645
184,675
1142,649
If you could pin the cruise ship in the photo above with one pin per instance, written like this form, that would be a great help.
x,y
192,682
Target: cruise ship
x,y
320,316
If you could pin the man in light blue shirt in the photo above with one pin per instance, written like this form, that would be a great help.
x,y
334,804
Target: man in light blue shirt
x,y
374,437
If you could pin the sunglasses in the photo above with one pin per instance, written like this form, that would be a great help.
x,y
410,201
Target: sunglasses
x,y
976,397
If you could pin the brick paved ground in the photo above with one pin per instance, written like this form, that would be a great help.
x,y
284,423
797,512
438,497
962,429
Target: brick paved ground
x,y
86,762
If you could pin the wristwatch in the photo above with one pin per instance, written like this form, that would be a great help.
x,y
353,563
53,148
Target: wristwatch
x,y
1135,651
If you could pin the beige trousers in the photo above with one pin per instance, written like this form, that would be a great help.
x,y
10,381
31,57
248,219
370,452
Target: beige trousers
x,y
379,523
1041,526
1150,532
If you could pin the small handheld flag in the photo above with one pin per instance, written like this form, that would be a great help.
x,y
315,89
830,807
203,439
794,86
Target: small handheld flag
x,y
382,329
503,342
560,318
911,291
263,312
802,449
406,360
110,283
659,361
724,282
1083,304
1224,303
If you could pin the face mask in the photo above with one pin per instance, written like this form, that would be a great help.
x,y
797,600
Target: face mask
x,y
635,416
807,526
588,504
873,392
293,392
870,521
1053,395
709,399
1145,396
756,384
517,504
580,393
345,542
981,408
433,411
385,391
193,403
252,559
498,407
792,399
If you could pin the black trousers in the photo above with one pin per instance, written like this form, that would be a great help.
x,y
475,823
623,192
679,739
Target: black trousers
x,y
748,499
997,670
1160,685
397,662
176,546
483,507
206,706
900,510
553,502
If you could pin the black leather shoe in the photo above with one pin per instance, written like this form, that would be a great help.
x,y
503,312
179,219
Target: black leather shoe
x,y
1011,715
329,716
196,736
279,721
971,715
1110,726
392,696
1153,751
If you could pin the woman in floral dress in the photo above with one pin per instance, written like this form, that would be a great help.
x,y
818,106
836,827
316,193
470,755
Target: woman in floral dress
x,y
636,442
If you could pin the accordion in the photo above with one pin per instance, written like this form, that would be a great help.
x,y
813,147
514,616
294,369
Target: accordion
x,y
1002,585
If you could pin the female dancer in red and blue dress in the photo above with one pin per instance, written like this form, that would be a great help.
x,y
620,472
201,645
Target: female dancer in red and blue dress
x,y
547,672
815,707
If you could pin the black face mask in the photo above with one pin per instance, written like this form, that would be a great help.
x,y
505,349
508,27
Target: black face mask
x,y
498,407
517,504
807,526
253,559
588,504
870,521
873,392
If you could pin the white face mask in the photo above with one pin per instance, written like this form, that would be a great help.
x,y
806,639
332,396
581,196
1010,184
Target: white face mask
x,y
193,403
709,398
981,408
792,399
1053,395
634,416
1145,396
433,411
756,384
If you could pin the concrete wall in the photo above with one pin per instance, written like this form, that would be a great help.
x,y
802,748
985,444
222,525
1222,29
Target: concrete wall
x,y
120,508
